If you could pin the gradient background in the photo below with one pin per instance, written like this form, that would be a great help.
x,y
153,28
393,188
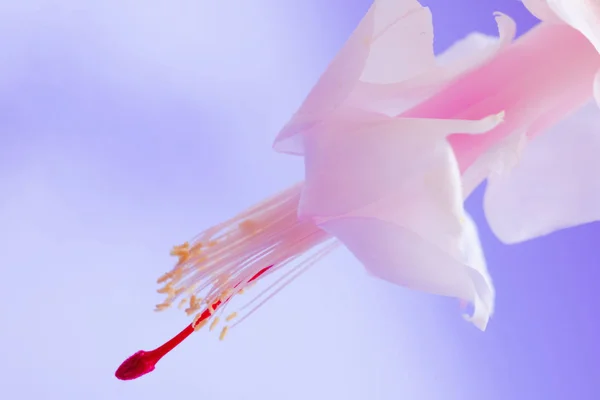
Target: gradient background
x,y
128,126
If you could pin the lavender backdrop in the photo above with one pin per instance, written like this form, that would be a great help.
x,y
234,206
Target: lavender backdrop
x,y
127,126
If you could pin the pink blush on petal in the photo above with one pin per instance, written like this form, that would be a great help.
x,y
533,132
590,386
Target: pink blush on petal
x,y
543,76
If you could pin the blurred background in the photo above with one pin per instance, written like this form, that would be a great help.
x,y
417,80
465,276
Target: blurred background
x,y
129,126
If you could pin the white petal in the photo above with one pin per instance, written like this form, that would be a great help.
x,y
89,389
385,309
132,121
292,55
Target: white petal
x,y
498,160
555,185
484,301
398,255
402,42
355,160
541,10
583,15
373,180
474,50
392,32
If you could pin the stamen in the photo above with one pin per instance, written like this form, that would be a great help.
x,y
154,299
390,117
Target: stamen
x,y
214,324
291,275
227,259
226,254
182,303
200,325
231,316
223,333
166,289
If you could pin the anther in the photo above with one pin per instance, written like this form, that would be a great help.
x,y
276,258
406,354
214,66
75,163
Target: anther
x,y
231,316
214,324
223,333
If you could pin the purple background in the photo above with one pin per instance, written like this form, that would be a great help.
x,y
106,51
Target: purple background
x,y
128,126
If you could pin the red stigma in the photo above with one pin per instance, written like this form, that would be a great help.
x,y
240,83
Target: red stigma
x,y
135,366
144,362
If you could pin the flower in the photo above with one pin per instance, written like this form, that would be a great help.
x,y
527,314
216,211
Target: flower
x,y
393,140
389,187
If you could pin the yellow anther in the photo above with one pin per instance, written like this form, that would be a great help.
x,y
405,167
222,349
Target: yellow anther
x,y
200,325
214,324
223,333
191,310
196,249
183,258
182,303
162,306
184,246
178,252
182,251
168,288
194,306
231,316
225,295
248,226
163,278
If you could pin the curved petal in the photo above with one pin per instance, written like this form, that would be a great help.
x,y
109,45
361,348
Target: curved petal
x,y
392,32
555,185
402,42
465,55
541,10
332,88
498,160
477,48
583,15
545,71
357,159
397,254
482,281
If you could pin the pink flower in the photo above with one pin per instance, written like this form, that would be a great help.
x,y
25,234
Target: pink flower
x,y
393,140
389,187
